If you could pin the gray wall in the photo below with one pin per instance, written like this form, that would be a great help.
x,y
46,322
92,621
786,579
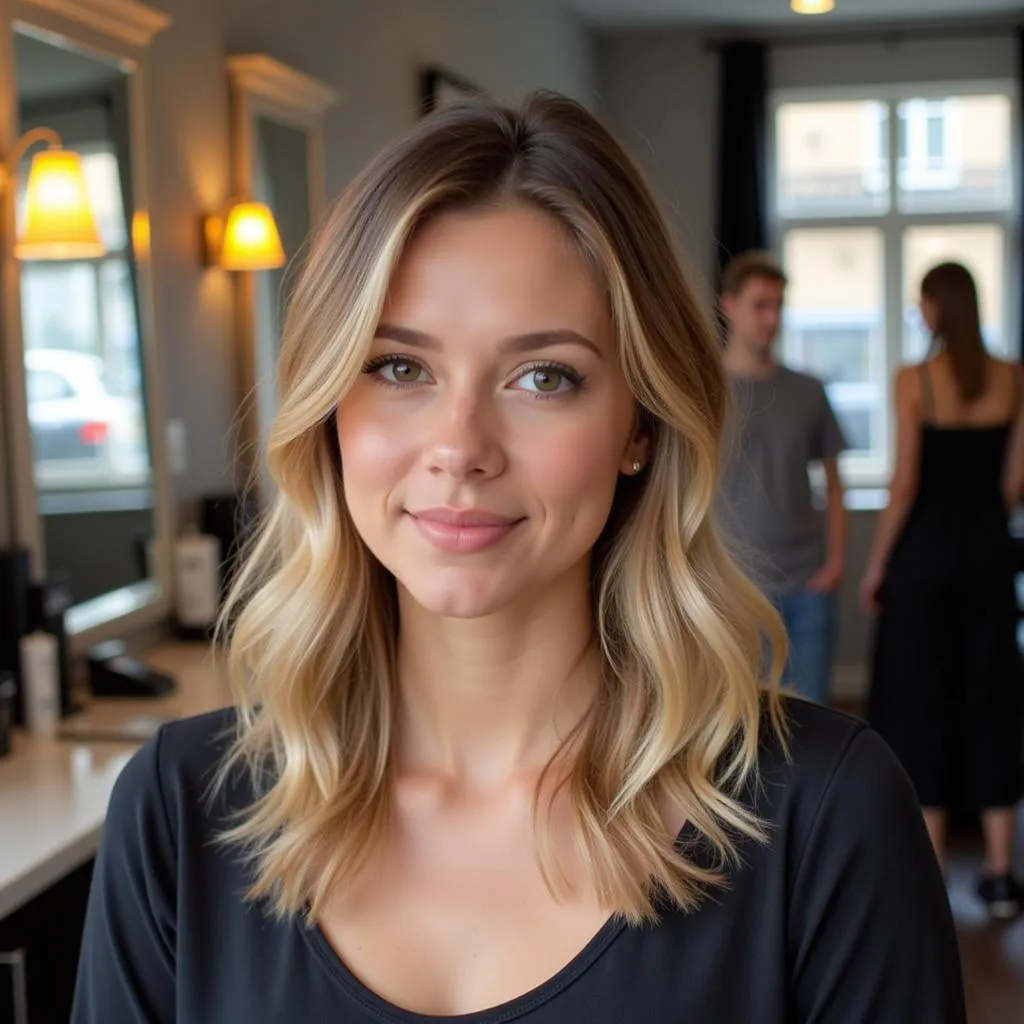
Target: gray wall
x,y
188,176
372,53
659,93
890,63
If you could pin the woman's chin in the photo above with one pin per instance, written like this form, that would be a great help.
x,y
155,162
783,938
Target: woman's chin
x,y
458,598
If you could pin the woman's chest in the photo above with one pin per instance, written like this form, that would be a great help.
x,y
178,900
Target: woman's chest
x,y
454,927
726,962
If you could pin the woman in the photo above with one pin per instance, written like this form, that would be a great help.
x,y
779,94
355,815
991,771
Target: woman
x,y
500,752
946,689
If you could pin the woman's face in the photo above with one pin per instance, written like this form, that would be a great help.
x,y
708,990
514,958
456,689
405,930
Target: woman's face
x,y
482,443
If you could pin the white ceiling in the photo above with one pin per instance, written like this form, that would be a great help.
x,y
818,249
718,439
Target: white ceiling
x,y
776,13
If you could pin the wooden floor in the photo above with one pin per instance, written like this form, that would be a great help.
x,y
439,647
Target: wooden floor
x,y
992,954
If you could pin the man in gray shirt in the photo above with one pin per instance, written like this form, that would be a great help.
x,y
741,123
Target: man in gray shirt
x,y
783,424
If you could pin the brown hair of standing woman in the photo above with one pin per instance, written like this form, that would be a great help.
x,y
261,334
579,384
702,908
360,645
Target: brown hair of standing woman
x,y
950,288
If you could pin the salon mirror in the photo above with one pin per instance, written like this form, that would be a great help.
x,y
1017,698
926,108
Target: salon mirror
x,y
277,142
84,325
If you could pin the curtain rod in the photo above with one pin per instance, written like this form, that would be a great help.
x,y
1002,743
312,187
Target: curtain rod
x,y
893,36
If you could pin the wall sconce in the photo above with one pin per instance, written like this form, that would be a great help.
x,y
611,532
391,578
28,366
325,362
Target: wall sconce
x,y
245,239
59,222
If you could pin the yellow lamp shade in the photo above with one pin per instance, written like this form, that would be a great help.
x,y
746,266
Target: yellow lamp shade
x,y
250,240
812,6
59,222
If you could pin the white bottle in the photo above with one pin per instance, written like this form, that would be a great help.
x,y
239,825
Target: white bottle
x,y
197,579
40,682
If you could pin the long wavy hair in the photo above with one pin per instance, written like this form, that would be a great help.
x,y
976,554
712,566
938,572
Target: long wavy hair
x,y
951,290
310,624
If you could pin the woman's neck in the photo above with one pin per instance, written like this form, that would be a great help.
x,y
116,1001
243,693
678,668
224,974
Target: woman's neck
x,y
483,701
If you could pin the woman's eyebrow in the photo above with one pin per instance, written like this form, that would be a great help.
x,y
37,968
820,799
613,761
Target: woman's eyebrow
x,y
530,342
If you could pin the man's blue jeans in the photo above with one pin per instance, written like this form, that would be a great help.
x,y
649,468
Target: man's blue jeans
x,y
810,620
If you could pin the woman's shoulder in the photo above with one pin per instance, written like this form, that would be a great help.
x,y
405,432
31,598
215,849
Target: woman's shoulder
x,y
191,745
828,761
813,733
847,883
178,767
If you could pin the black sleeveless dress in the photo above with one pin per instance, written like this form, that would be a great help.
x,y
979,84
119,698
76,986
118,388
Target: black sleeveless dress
x,y
947,689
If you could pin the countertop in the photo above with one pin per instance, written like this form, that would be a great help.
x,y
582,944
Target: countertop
x,y
54,792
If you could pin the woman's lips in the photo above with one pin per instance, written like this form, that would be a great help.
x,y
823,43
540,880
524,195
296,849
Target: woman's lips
x,y
463,531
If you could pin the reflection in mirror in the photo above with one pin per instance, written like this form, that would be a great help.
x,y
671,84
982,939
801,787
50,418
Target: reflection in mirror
x,y
81,330
281,180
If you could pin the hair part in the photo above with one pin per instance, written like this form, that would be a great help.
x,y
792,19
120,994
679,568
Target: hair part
x,y
951,289
681,632
748,266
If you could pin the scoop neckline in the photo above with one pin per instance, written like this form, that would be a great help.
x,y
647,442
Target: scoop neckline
x,y
389,1013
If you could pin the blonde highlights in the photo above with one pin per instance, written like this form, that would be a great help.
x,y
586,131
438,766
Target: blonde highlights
x,y
310,624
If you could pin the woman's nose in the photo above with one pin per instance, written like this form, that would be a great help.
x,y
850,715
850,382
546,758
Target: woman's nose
x,y
462,438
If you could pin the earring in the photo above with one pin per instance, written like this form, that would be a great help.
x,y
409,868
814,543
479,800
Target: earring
x,y
637,465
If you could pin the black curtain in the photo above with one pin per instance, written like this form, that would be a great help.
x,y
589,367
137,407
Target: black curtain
x,y
741,222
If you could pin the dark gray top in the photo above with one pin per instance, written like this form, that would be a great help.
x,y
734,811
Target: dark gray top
x,y
842,919
782,424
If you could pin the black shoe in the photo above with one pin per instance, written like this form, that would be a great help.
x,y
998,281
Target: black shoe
x,y
1003,896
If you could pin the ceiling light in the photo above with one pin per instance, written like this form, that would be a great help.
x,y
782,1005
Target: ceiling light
x,y
812,6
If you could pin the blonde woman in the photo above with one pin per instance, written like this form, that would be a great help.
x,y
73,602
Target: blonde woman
x,y
501,750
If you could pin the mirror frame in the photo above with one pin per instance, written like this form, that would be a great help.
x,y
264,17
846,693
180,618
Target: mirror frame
x,y
262,86
120,32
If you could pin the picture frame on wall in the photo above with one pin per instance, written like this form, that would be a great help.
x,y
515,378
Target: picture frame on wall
x,y
439,87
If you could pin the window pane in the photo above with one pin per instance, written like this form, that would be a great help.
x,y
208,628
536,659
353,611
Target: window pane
x,y
85,406
59,306
128,448
955,153
832,158
936,140
980,248
834,323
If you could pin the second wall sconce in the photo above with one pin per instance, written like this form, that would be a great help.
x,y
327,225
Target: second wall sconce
x,y
59,223
245,238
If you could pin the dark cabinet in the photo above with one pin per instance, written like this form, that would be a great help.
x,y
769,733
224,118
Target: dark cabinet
x,y
39,946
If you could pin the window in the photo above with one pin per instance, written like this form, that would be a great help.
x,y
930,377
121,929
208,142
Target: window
x,y
83,378
857,230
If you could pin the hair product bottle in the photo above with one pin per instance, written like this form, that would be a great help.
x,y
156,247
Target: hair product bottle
x,y
40,682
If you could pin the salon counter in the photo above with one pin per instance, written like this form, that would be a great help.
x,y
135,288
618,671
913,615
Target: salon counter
x,y
54,792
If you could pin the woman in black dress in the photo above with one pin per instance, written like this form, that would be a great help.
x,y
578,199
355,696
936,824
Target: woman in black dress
x,y
946,688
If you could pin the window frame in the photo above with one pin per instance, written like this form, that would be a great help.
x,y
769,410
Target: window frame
x,y
872,471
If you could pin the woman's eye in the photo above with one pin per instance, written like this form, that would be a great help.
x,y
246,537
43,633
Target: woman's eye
x,y
403,372
396,370
548,380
